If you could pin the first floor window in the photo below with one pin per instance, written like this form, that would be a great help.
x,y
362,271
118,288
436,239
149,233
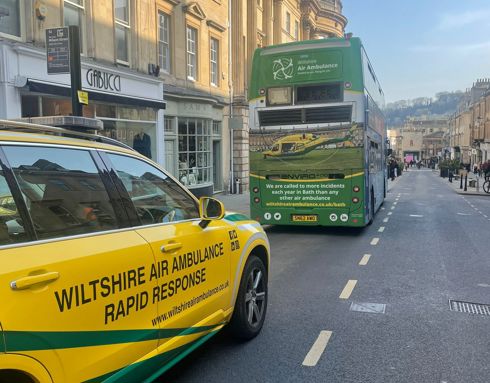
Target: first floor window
x,y
10,17
123,29
74,14
194,151
214,62
191,53
164,41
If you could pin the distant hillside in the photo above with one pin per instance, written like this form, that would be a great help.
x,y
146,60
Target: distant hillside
x,y
444,104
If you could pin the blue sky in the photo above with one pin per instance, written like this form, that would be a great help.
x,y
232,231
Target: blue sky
x,y
421,47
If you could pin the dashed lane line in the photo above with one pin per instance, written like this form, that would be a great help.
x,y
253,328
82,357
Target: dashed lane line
x,y
390,213
349,287
393,208
386,220
381,229
416,215
316,351
374,241
365,259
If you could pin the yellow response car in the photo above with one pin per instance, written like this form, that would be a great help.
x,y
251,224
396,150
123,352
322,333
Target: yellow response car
x,y
110,270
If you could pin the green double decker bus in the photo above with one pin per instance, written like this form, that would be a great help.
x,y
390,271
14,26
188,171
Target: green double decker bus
x,y
317,135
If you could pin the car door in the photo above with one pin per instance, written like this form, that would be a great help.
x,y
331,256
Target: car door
x,y
192,263
75,292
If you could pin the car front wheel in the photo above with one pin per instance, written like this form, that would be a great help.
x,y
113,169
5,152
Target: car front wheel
x,y
251,303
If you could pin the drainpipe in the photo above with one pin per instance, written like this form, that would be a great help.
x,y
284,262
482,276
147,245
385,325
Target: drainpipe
x,y
230,88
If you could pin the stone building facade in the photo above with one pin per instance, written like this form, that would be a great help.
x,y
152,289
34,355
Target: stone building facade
x,y
176,71
470,126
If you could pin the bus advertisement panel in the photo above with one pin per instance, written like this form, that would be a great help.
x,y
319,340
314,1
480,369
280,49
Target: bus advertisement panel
x,y
313,158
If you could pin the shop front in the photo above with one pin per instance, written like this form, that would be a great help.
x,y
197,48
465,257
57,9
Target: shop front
x,y
194,143
129,103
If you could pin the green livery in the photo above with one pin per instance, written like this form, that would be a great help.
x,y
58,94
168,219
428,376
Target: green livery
x,y
317,136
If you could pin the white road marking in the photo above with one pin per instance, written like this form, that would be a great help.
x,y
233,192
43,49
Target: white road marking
x,y
394,203
316,351
390,213
347,291
483,285
382,208
386,220
364,260
393,208
486,216
416,215
463,214
374,241
381,229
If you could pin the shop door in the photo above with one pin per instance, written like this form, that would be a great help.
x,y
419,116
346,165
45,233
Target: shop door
x,y
170,158
217,181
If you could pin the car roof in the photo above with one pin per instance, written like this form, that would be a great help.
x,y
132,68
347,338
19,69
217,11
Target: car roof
x,y
13,136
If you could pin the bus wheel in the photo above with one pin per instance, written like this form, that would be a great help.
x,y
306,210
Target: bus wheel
x,y
251,303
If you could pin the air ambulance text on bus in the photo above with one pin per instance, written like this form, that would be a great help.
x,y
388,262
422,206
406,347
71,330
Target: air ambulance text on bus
x,y
317,135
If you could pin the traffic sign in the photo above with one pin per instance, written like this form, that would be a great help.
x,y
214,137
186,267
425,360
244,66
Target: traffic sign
x,y
58,50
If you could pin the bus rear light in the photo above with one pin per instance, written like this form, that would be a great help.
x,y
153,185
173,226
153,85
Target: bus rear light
x,y
355,200
262,91
256,189
355,220
357,189
256,199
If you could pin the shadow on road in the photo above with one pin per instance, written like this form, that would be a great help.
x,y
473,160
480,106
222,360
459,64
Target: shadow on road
x,y
316,230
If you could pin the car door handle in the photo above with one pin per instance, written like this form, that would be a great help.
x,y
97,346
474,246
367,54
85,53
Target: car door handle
x,y
26,282
170,247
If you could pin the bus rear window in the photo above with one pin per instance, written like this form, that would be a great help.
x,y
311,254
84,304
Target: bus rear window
x,y
318,93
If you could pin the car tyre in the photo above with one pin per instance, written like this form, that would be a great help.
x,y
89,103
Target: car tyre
x,y
251,303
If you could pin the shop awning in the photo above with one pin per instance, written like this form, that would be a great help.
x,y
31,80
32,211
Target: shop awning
x,y
64,91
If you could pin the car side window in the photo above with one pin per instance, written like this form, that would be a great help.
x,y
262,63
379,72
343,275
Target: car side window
x,y
156,197
63,190
11,226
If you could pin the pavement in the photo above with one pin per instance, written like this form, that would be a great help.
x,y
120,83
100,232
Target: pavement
x,y
470,190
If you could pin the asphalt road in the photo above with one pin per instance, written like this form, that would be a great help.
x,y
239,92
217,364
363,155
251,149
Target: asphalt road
x,y
433,245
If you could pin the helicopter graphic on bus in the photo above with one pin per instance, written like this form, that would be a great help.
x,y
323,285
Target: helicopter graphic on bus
x,y
301,144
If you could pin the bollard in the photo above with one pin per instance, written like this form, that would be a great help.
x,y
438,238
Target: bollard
x,y
465,182
477,184
450,175
461,180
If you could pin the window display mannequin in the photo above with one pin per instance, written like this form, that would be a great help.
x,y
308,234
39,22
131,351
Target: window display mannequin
x,y
142,143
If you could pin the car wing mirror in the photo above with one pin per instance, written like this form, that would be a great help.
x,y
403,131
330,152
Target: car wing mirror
x,y
210,209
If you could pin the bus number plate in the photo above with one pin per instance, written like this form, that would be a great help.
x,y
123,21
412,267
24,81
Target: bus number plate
x,y
305,218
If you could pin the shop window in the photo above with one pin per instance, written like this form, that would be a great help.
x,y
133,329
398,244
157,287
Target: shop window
x,y
164,41
63,191
123,30
11,228
74,14
191,53
194,151
214,64
156,197
10,18
30,106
